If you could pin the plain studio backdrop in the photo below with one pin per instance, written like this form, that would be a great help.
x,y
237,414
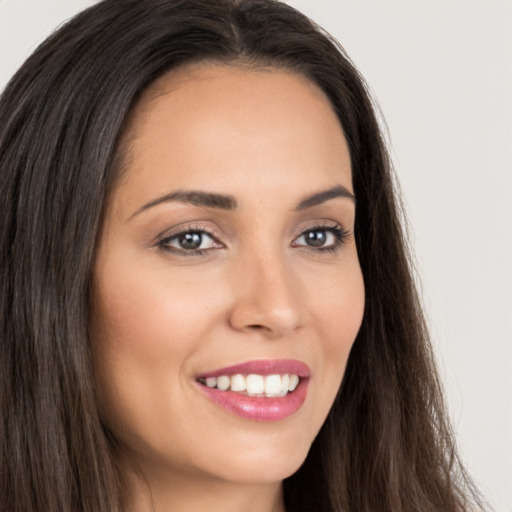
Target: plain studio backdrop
x,y
442,73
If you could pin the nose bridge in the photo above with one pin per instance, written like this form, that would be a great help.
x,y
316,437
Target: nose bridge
x,y
266,297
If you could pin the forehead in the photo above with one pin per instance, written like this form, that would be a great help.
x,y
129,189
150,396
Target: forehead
x,y
224,127
263,83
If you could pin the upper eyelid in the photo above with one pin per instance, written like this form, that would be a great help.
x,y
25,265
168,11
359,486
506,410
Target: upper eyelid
x,y
187,228
213,232
341,232
323,224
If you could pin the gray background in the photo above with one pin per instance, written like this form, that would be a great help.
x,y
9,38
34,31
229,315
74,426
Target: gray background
x,y
442,73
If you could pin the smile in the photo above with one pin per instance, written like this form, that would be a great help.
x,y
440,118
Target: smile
x,y
262,390
254,385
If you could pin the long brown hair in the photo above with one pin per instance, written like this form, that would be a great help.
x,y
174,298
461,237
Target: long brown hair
x,y
386,445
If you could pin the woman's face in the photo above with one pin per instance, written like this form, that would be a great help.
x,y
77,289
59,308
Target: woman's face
x,y
227,258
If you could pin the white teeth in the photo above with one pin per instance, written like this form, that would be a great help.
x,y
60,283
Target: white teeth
x,y
223,382
294,380
285,383
238,383
273,385
211,382
255,385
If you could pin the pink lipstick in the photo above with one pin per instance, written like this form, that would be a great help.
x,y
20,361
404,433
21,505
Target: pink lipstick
x,y
260,390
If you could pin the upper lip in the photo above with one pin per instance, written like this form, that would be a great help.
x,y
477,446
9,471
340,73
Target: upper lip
x,y
262,367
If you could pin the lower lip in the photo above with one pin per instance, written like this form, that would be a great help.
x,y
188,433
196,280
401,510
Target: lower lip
x,y
259,408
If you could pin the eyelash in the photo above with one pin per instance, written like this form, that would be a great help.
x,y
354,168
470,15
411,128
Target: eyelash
x,y
341,235
163,243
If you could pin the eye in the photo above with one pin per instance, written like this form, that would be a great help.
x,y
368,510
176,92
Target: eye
x,y
321,238
189,242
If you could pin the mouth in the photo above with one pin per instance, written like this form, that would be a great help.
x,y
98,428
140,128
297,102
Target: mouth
x,y
261,390
254,385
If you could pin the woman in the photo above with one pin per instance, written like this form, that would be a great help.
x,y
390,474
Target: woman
x,y
206,296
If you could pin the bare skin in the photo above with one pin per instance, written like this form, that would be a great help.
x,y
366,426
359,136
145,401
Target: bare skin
x,y
275,275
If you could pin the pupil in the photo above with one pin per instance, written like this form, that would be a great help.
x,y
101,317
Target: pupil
x,y
316,238
190,240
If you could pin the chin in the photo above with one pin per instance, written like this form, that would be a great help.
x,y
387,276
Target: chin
x,y
262,461
261,471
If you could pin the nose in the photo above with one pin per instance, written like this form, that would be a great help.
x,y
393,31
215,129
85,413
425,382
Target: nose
x,y
267,298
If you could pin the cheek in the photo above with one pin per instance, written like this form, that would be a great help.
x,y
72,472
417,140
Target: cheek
x,y
144,329
140,311
338,313
337,300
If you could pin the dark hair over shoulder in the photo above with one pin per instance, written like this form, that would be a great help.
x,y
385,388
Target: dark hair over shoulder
x,y
386,444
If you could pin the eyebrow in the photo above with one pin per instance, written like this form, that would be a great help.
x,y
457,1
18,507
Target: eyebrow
x,y
326,195
195,197
227,202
